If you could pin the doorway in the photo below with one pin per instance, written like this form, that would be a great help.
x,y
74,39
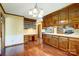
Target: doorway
x,y
2,34
40,32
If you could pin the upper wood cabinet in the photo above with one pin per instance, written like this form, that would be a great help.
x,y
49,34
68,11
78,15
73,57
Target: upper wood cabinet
x,y
47,21
74,15
67,15
55,19
44,22
63,16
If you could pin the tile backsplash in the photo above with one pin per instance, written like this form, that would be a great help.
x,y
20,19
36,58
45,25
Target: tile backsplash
x,y
76,31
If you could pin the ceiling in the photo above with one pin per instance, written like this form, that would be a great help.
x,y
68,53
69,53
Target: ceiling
x,y
23,8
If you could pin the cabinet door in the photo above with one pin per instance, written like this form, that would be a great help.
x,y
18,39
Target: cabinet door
x,y
63,43
55,41
44,22
74,46
56,19
51,41
63,16
26,38
49,37
50,21
46,38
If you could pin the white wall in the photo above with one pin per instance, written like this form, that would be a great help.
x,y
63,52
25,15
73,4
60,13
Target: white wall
x,y
14,27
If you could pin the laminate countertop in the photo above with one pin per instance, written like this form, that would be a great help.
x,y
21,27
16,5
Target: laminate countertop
x,y
65,35
30,32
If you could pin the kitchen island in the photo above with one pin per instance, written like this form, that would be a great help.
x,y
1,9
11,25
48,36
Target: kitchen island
x,y
65,42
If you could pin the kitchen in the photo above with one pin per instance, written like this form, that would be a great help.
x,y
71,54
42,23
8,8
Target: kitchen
x,y
61,29
58,30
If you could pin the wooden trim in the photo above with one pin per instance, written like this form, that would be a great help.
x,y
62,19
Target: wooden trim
x,y
29,20
14,14
2,8
14,45
9,13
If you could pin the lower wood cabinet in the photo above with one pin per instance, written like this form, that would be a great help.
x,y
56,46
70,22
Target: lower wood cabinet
x,y
55,41
67,44
74,46
29,38
26,37
63,43
46,39
51,40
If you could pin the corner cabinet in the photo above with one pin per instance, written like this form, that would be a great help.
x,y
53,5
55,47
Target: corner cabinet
x,y
63,43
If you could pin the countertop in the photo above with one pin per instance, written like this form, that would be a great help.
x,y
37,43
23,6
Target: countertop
x,y
66,35
30,32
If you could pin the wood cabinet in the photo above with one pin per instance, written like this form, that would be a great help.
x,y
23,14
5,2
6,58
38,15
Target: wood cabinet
x,y
67,44
55,41
51,40
63,16
46,39
74,15
55,19
47,21
67,15
74,46
63,43
28,38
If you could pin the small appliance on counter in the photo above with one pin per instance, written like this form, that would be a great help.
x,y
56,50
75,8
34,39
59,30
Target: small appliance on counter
x,y
69,30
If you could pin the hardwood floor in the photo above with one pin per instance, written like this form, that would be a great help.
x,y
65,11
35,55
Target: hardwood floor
x,y
33,49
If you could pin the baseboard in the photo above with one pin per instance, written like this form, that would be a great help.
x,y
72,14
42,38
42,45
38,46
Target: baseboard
x,y
14,45
17,44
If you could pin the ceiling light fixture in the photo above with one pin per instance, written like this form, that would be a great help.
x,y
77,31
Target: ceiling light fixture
x,y
36,12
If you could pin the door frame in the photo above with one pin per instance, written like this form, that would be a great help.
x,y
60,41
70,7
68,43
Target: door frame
x,y
2,20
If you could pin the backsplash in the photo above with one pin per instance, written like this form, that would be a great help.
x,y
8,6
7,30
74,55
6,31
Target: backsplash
x,y
30,31
29,25
76,31
49,29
